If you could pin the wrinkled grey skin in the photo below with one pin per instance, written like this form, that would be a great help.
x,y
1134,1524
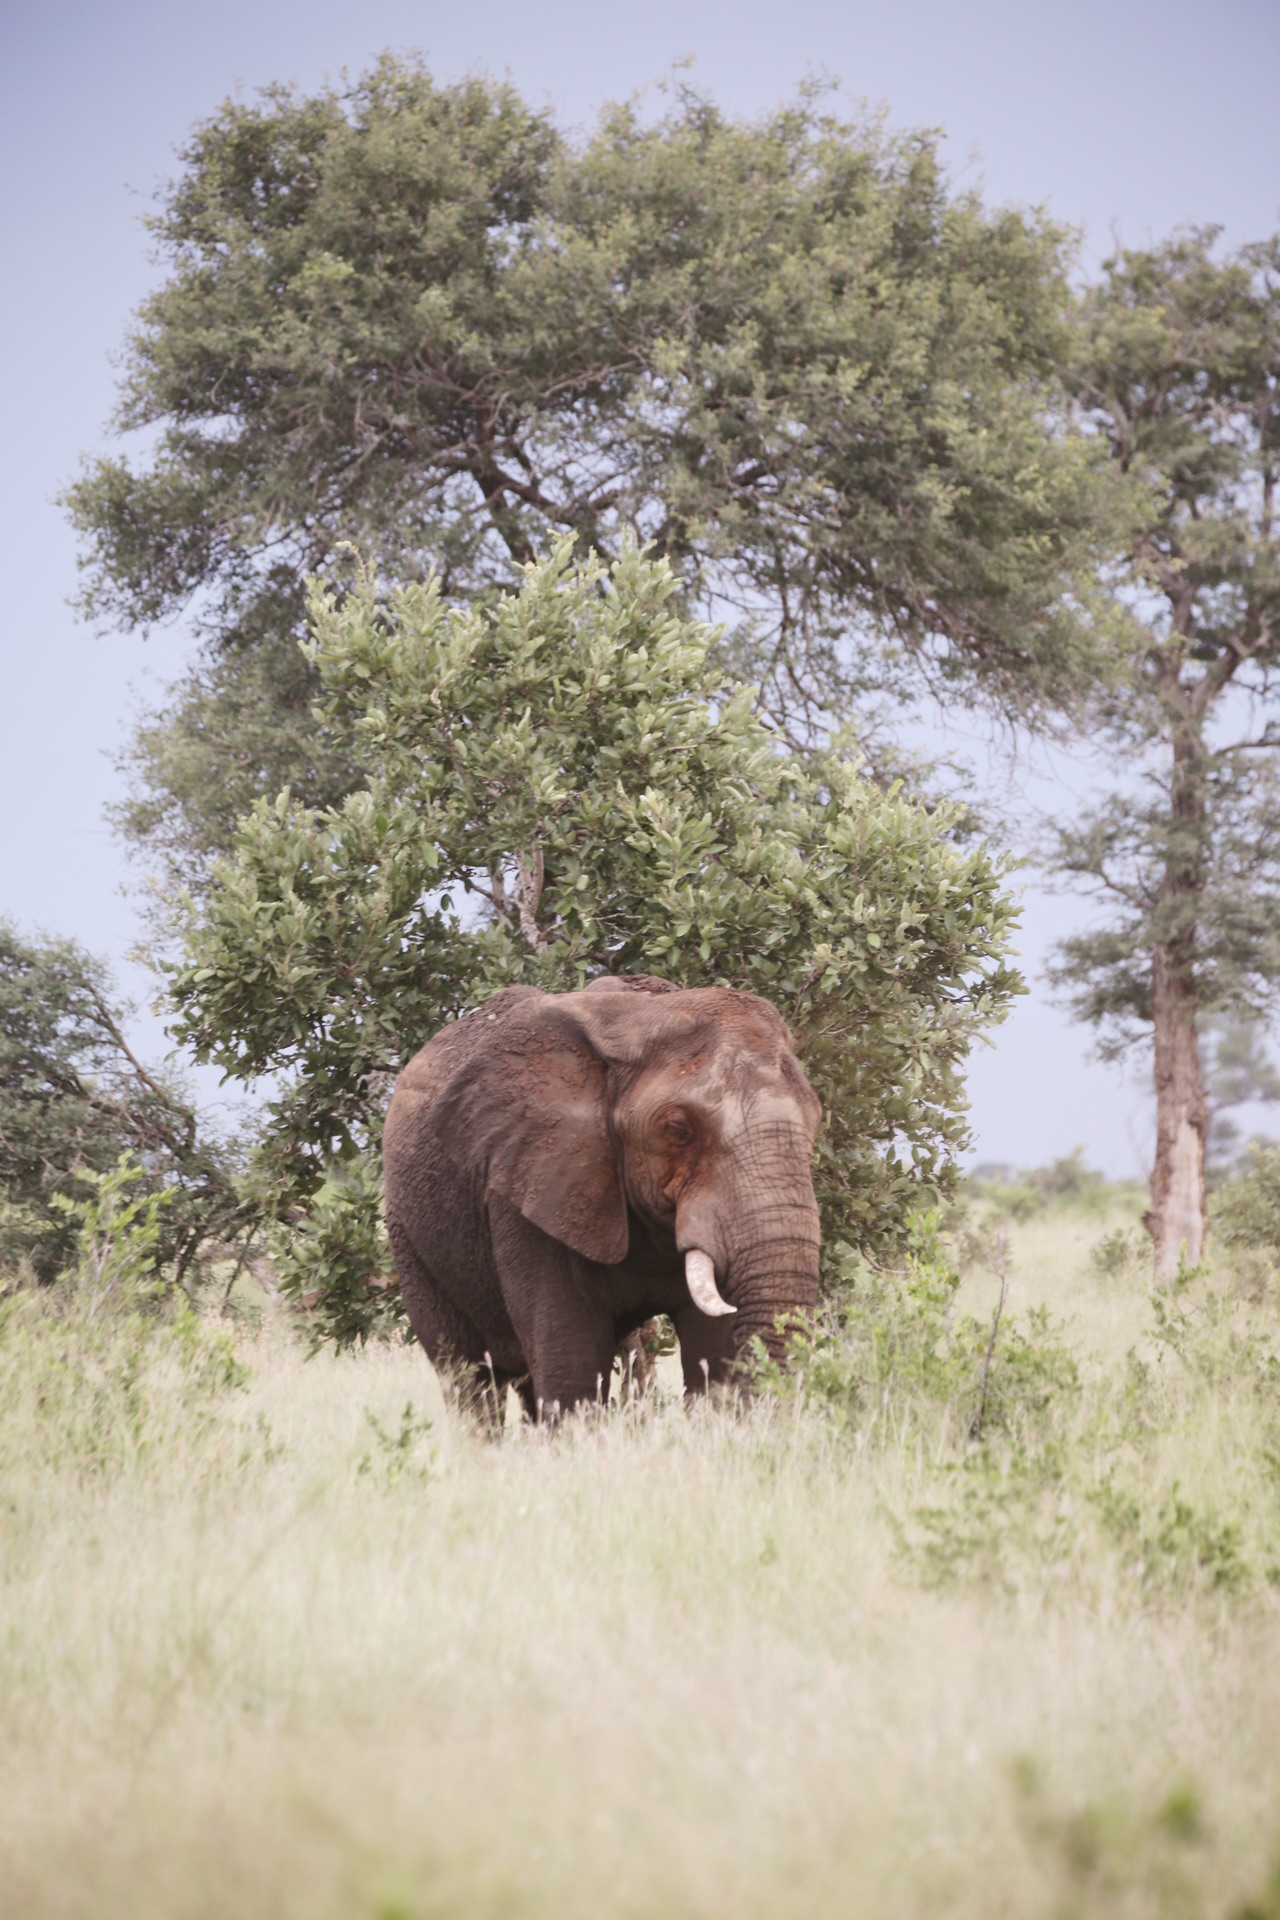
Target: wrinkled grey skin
x,y
551,1158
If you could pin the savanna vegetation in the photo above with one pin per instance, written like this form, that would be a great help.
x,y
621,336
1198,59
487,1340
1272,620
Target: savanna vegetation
x,y
571,523
871,426
946,1620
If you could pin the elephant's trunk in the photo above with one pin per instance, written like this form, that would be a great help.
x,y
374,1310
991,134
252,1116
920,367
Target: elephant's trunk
x,y
751,1247
775,1278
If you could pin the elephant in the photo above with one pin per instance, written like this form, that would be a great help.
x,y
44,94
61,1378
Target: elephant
x,y
560,1167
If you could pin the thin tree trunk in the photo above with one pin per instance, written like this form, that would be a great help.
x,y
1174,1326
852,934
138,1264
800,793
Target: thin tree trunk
x,y
1176,1221
1177,1216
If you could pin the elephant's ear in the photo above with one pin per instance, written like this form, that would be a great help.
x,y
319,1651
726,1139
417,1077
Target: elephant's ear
x,y
529,1113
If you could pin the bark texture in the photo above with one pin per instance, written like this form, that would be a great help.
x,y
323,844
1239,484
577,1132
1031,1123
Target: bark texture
x,y
1176,1221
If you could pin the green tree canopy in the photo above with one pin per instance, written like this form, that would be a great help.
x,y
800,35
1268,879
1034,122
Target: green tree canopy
x,y
1180,378
555,791
420,318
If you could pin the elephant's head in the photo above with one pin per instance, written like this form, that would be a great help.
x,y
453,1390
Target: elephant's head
x,y
687,1106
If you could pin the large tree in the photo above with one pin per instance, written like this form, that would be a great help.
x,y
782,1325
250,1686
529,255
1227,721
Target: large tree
x,y
419,318
1180,378
553,793
74,1097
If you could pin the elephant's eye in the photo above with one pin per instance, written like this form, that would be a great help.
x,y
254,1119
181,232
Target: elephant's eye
x,y
676,1129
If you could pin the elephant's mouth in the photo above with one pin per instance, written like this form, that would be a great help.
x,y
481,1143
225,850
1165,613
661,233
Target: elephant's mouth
x,y
700,1274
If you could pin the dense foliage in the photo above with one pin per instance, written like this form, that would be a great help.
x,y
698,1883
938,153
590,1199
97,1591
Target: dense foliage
x,y
553,792
74,1099
419,317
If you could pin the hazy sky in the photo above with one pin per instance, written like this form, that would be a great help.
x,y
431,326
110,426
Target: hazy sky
x,y
1127,118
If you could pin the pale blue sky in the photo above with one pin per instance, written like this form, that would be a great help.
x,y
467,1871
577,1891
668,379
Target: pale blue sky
x,y
1130,117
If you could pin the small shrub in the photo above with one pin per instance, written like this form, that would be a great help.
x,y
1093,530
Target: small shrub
x,y
890,1347
1007,1513
1246,1209
1118,1253
117,1235
1206,1325
111,1364
1068,1179
1013,1199
1029,1474
400,1455
1177,1546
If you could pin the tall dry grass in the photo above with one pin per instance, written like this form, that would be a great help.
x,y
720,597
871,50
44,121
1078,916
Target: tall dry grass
x,y
300,1644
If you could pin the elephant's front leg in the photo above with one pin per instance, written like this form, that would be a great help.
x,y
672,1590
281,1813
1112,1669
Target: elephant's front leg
x,y
708,1348
566,1329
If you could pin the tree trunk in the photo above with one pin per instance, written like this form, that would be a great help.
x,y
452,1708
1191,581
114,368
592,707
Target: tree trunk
x,y
1177,1216
1176,1221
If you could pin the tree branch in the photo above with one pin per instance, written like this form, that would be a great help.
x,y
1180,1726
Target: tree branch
x,y
107,1021
529,896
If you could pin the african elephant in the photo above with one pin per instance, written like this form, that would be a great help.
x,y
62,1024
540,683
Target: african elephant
x,y
559,1167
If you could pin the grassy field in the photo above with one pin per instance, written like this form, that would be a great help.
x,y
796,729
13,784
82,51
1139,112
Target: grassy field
x,y
948,1628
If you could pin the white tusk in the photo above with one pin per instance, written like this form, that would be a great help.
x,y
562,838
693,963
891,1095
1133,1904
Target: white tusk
x,y
701,1276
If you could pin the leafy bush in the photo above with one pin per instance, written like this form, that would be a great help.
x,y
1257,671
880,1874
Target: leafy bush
x,y
1246,1208
113,1363
995,1515
334,1261
559,786
1119,1252
400,1455
1124,1854
118,1230
1029,1466
1176,1544
889,1351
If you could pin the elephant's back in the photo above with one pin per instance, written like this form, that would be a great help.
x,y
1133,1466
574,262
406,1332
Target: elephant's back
x,y
408,1133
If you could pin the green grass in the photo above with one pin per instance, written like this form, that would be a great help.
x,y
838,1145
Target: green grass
x,y
300,1644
